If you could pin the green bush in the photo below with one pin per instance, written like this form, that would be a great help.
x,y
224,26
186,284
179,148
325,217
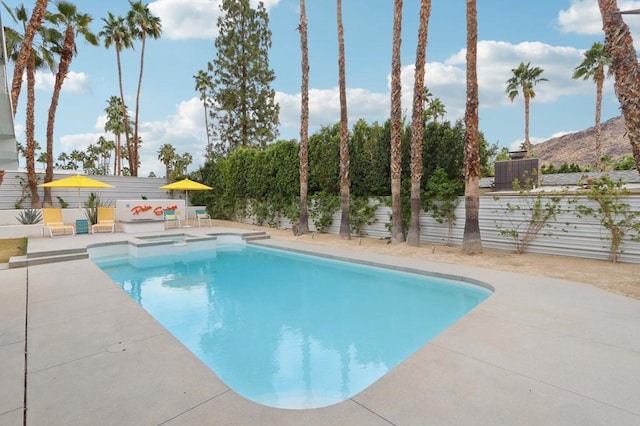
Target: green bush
x,y
29,216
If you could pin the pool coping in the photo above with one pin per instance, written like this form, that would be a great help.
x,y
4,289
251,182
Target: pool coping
x,y
517,358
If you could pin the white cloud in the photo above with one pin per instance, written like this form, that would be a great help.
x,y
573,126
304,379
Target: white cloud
x,y
76,82
192,19
185,130
447,81
324,107
583,17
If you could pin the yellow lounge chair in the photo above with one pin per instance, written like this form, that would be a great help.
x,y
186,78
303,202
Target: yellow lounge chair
x,y
52,220
171,216
106,220
201,216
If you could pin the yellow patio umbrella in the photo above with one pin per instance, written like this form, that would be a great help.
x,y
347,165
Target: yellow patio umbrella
x,y
186,185
76,181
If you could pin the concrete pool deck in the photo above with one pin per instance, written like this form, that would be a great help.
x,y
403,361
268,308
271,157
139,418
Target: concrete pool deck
x,y
538,351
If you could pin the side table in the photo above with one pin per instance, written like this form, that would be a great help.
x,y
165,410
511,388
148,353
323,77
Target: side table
x,y
82,226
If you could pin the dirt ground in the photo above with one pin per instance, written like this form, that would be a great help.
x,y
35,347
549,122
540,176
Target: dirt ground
x,y
622,278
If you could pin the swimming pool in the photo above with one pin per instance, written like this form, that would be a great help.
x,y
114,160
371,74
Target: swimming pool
x,y
290,330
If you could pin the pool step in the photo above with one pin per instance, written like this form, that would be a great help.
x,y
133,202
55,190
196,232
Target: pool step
x,y
41,258
254,236
37,254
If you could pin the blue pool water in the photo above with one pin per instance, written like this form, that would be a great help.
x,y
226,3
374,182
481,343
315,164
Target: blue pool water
x,y
289,330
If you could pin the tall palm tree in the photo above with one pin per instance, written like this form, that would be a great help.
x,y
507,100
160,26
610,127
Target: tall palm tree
x,y
345,183
523,80
116,32
303,224
592,67
24,53
397,233
472,242
417,125
624,63
167,154
74,23
115,124
203,82
105,147
39,57
142,24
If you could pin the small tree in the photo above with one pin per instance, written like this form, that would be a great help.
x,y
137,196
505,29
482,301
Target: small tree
x,y
442,198
536,211
614,214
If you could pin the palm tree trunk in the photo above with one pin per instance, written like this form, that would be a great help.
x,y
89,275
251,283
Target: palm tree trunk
x,y
527,141
417,126
626,70
303,224
25,51
206,124
135,125
397,233
63,68
598,129
32,179
471,242
345,227
125,116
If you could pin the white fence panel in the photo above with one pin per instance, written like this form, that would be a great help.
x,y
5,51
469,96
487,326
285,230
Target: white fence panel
x,y
567,235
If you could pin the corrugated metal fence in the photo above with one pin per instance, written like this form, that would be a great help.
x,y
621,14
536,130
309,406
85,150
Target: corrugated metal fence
x,y
126,187
567,235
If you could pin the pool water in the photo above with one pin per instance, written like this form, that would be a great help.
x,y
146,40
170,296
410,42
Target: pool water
x,y
289,330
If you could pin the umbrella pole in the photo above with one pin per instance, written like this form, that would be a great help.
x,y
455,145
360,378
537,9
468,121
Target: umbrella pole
x,y
186,204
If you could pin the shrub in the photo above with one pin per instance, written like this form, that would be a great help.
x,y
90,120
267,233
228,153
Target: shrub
x,y
29,216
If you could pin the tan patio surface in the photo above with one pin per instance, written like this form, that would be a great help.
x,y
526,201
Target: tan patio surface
x,y
539,351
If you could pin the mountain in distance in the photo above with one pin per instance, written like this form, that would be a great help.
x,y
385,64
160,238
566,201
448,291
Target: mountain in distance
x,y
579,147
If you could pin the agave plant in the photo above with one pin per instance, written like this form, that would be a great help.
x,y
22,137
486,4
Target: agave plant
x,y
29,216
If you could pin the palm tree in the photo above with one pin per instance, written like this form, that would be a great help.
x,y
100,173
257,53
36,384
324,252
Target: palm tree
x,y
472,242
180,164
203,83
39,57
592,67
142,23
624,63
74,23
167,154
105,147
76,157
303,223
116,32
417,125
42,159
115,124
397,233
64,161
345,228
436,109
524,79
24,53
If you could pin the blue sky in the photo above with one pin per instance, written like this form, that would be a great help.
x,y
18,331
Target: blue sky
x,y
550,35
